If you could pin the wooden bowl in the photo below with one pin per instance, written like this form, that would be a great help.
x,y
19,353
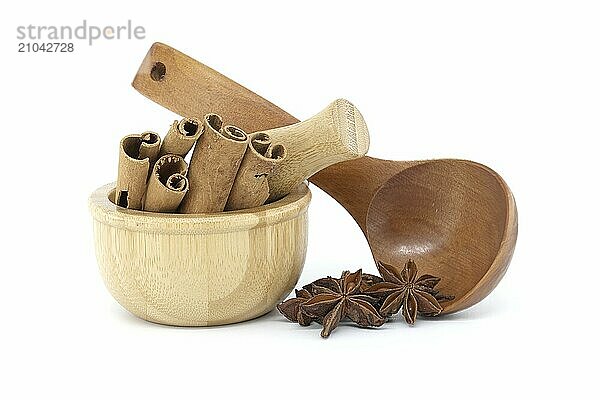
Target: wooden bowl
x,y
200,269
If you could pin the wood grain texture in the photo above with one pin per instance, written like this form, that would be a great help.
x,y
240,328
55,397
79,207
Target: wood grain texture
x,y
184,83
356,184
353,183
456,219
200,269
337,133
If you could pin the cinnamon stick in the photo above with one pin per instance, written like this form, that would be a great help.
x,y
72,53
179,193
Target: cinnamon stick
x,y
181,137
167,184
251,187
213,166
136,154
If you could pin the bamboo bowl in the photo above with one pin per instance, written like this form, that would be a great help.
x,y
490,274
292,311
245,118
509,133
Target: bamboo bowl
x,y
200,269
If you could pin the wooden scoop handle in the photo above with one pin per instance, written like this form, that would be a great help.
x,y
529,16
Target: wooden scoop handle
x,y
338,133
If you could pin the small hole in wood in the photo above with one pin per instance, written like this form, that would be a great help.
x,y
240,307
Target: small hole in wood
x,y
158,71
122,200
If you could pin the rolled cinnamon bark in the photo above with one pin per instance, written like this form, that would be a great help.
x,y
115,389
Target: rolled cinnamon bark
x,y
181,137
149,146
214,165
167,184
251,188
136,154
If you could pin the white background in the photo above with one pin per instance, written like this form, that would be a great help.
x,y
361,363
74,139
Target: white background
x,y
512,84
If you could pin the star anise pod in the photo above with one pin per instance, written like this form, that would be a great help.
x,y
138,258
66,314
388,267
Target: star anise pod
x,y
328,282
369,280
336,299
402,289
291,308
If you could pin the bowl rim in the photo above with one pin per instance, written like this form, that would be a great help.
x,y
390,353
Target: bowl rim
x,y
106,212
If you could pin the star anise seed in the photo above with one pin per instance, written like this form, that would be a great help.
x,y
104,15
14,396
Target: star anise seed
x,y
291,308
336,299
403,290
369,280
328,282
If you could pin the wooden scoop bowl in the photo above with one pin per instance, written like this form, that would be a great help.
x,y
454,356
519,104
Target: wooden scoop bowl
x,y
457,219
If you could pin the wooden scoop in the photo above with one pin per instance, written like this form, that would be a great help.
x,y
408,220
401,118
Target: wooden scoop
x,y
457,219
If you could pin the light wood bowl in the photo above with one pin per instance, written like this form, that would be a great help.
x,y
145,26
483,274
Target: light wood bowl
x,y
200,269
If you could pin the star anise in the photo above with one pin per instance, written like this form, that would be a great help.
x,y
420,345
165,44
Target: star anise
x,y
369,280
402,289
336,299
291,308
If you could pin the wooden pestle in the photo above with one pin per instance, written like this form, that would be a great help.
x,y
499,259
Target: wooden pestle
x,y
338,133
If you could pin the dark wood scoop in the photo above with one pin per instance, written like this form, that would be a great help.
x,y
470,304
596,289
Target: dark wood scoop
x,y
457,219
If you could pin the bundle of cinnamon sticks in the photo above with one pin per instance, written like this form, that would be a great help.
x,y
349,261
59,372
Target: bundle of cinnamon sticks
x,y
228,168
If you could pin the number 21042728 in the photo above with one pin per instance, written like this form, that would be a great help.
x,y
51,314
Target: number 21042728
x,y
51,47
